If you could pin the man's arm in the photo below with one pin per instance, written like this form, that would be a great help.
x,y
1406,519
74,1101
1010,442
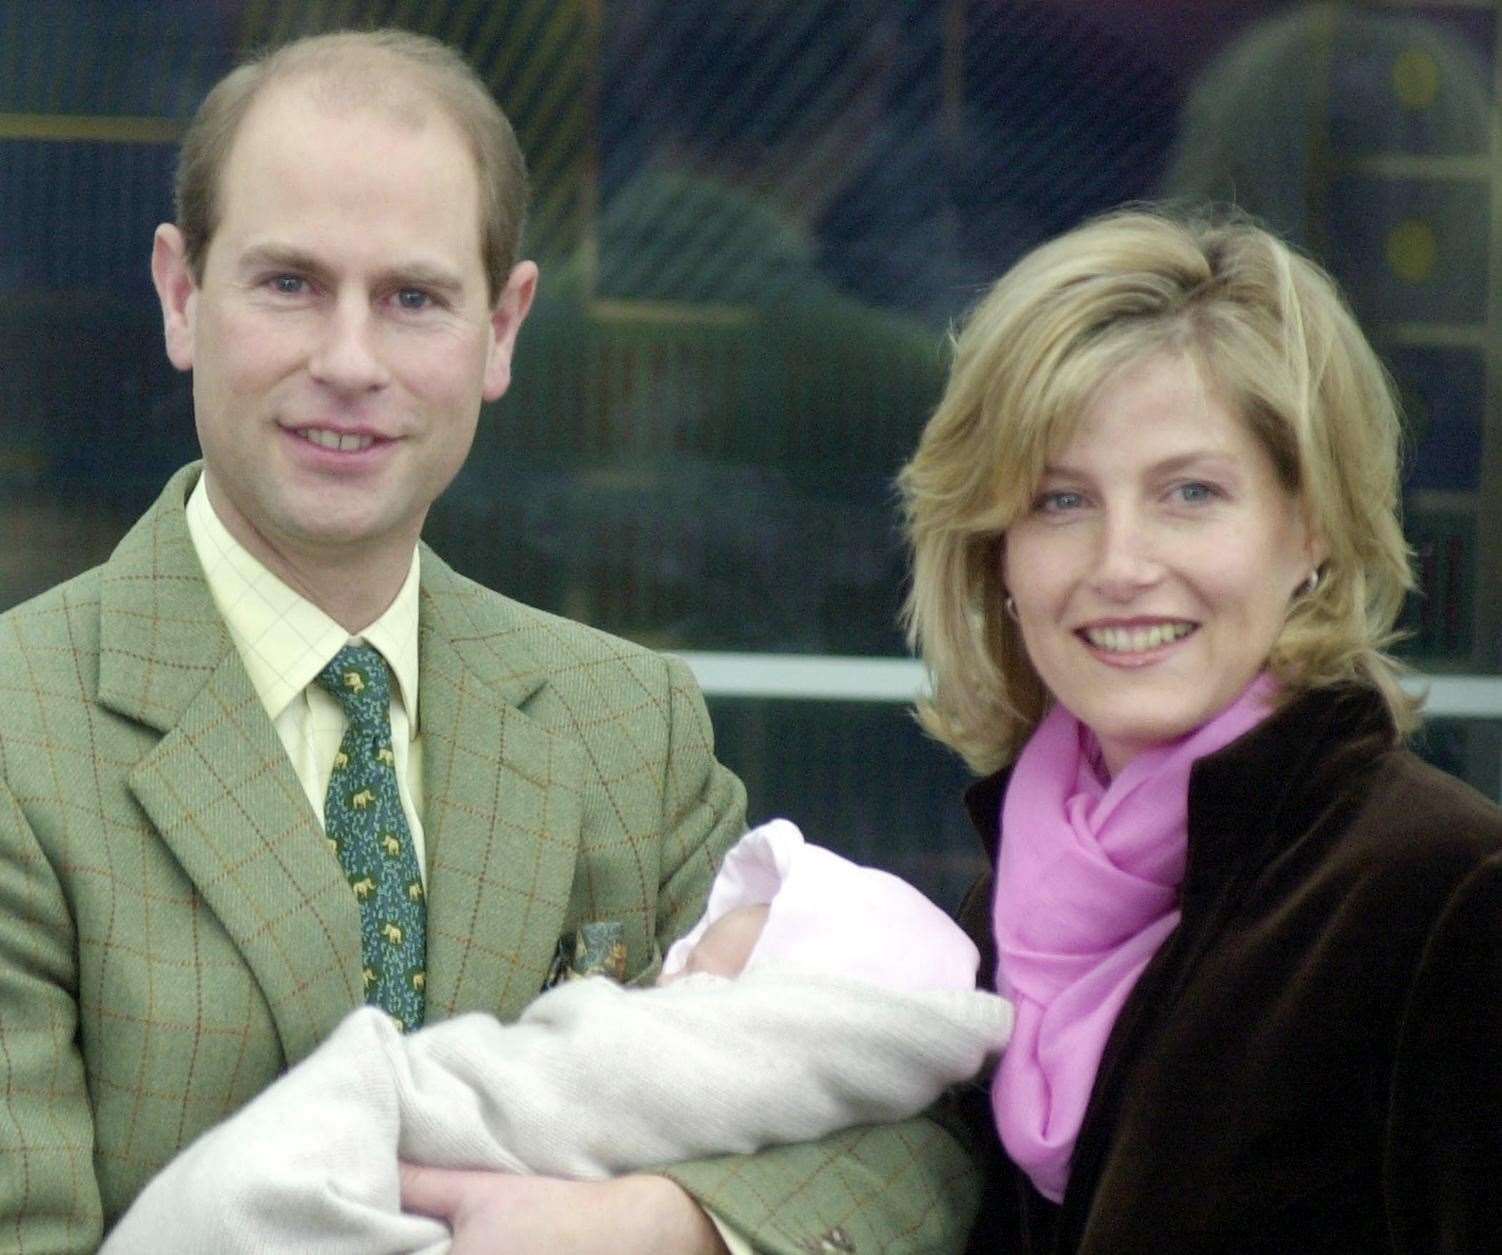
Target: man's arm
x,y
704,809
49,1198
910,1186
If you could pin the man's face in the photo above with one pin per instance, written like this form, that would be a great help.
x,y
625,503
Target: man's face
x,y
341,339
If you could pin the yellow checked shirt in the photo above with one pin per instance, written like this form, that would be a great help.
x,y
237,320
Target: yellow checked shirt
x,y
284,640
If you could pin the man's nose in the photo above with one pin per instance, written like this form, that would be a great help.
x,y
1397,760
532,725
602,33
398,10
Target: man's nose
x,y
347,356
1128,555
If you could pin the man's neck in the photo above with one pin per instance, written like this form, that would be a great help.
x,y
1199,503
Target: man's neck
x,y
353,585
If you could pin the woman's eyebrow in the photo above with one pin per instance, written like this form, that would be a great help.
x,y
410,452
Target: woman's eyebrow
x,y
1218,458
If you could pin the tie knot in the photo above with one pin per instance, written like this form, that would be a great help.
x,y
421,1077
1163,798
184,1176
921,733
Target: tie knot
x,y
359,681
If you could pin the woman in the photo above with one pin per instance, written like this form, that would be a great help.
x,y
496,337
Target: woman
x,y
1255,945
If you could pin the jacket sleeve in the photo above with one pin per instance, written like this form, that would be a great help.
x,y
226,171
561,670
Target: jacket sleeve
x,y
49,1198
704,810
1444,1155
910,1186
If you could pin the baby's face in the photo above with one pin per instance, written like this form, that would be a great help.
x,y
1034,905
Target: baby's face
x,y
727,943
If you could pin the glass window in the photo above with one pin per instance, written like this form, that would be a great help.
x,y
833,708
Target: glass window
x,y
756,220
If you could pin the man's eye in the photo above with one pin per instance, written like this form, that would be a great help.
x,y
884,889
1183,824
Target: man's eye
x,y
1196,493
289,285
413,299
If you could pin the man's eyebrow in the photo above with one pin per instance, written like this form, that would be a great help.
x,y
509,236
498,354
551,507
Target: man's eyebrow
x,y
282,257
404,274
420,274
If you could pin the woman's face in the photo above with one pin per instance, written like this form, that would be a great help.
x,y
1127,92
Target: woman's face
x,y
1154,569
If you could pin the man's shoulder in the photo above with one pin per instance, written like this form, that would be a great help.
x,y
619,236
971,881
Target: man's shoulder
x,y
51,643
49,665
65,617
564,673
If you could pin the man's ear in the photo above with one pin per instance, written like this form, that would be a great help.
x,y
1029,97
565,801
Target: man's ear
x,y
178,292
505,321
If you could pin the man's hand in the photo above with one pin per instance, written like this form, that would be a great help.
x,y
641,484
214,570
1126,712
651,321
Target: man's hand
x,y
494,1212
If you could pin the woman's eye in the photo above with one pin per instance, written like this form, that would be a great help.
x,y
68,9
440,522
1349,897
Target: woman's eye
x,y
1057,502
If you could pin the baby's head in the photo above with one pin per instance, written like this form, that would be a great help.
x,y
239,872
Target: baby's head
x,y
727,943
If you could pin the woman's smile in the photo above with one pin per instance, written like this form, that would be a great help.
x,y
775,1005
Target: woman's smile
x,y
1136,642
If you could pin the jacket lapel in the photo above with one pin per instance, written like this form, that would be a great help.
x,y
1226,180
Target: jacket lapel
x,y
502,806
218,786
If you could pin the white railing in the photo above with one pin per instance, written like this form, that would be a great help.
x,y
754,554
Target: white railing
x,y
834,678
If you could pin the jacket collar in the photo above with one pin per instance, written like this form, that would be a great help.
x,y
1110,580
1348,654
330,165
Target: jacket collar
x,y
502,813
1245,800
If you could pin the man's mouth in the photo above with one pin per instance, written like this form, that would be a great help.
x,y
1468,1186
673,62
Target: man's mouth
x,y
344,442
1136,639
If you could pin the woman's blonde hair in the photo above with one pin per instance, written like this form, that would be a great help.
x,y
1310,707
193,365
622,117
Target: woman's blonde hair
x,y
1268,332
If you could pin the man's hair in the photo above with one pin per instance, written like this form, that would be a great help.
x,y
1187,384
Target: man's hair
x,y
1267,332
360,68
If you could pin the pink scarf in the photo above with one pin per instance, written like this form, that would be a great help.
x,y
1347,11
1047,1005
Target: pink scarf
x,y
1086,884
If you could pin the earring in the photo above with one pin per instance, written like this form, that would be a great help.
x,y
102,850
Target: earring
x,y
1010,605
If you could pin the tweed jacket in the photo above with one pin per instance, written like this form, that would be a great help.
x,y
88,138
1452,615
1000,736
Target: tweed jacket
x,y
1312,1061
173,933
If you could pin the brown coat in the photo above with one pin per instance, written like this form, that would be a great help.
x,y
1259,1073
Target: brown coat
x,y
1313,1060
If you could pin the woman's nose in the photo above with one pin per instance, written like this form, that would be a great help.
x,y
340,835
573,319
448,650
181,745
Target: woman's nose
x,y
1127,558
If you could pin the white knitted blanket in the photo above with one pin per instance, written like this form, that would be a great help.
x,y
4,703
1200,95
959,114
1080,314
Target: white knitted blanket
x,y
592,1081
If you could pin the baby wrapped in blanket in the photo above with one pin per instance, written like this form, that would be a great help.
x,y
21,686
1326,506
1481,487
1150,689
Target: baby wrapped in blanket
x,y
813,995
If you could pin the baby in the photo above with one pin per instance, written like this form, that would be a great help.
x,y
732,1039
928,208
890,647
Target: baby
x,y
846,998
725,945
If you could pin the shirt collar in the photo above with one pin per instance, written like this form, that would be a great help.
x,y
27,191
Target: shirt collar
x,y
283,639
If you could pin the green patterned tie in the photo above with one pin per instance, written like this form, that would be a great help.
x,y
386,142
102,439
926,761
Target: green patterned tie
x,y
364,822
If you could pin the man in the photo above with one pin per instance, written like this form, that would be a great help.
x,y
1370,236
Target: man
x,y
271,681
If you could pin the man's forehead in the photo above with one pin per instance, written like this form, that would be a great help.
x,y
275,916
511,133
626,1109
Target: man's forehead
x,y
287,174
276,126
398,101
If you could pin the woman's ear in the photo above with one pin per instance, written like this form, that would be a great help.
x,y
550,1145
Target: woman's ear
x,y
1315,551
1314,543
